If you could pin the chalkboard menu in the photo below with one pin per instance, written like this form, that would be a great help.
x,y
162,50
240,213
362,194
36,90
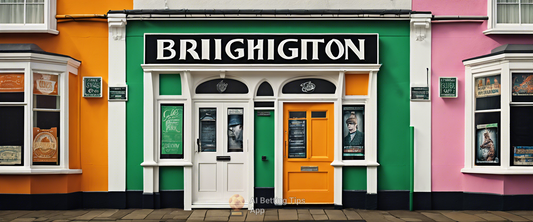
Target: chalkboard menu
x,y
92,87
297,139
448,87
171,131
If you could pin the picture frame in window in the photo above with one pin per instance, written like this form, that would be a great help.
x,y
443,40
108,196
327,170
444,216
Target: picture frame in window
x,y
353,138
171,131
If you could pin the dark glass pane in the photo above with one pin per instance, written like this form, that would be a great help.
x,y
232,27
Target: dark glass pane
x,y
222,86
235,129
297,115
297,139
265,89
521,136
318,114
208,130
488,103
11,136
487,131
46,102
12,97
309,86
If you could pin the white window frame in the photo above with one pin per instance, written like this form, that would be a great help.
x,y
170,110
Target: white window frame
x,y
49,25
504,65
30,63
503,28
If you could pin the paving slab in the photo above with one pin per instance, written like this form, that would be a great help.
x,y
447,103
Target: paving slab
x,y
392,218
406,215
460,216
304,214
197,215
271,212
320,216
525,214
218,213
508,216
24,219
371,215
254,217
317,211
108,213
335,215
216,219
436,216
89,215
288,214
351,214
178,215
138,214
239,218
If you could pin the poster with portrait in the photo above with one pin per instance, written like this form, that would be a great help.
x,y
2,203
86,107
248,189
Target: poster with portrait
x,y
488,86
353,132
487,145
235,130
523,155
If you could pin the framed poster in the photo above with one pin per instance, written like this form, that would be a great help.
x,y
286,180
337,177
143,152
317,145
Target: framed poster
x,y
487,149
45,145
522,90
92,87
488,86
10,155
11,82
171,131
45,84
353,141
235,129
297,139
523,155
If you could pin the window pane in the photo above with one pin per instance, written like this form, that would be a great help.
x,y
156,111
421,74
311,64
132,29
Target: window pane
x,y
46,102
11,13
527,13
208,130
45,84
297,115
318,114
46,133
35,13
235,130
521,139
171,131
522,88
487,92
487,138
507,12
11,87
11,135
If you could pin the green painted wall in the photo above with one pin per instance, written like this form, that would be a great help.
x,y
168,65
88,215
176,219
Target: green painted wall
x,y
393,87
169,84
170,178
264,146
354,178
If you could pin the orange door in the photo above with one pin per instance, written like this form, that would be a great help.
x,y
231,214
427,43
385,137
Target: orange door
x,y
308,153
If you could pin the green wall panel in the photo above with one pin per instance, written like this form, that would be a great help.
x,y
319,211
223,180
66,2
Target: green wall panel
x,y
169,84
170,178
393,89
134,114
264,146
354,178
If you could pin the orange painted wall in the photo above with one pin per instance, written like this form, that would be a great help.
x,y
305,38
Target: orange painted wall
x,y
356,84
84,40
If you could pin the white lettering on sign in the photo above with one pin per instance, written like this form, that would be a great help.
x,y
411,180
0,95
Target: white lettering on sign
x,y
235,49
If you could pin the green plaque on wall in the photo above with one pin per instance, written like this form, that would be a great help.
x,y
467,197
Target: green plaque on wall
x,y
92,87
448,87
171,131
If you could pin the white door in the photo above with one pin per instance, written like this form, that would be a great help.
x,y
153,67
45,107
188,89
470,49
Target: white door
x,y
220,163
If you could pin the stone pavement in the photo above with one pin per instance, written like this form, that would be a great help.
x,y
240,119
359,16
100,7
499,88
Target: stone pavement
x,y
299,214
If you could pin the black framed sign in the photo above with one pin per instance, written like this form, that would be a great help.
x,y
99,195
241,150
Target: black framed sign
x,y
92,87
261,48
118,93
448,87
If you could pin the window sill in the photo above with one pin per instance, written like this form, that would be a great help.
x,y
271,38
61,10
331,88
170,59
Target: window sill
x,y
7,29
500,171
39,171
354,163
174,163
501,31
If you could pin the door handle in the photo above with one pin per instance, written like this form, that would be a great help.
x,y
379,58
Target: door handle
x,y
198,144
285,149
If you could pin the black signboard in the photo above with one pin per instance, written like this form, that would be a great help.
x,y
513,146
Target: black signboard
x,y
261,49
448,87
419,93
118,93
297,139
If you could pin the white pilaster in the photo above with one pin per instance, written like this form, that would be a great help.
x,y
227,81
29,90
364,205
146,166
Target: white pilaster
x,y
420,116
117,110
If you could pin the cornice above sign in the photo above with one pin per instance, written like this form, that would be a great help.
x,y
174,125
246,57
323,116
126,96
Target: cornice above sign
x,y
261,49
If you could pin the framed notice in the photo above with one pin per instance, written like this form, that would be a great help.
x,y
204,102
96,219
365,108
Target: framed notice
x,y
523,155
171,131
487,148
448,87
353,140
488,86
522,90
92,87
10,155
11,82
297,139
45,84
117,93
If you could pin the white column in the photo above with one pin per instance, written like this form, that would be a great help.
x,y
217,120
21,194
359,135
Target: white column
x,y
117,110
420,111
150,179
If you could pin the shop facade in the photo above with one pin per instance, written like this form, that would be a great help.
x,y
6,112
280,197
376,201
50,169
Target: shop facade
x,y
283,111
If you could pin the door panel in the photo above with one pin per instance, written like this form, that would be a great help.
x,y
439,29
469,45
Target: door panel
x,y
308,152
220,163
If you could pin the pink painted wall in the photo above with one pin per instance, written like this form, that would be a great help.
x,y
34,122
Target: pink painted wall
x,y
453,42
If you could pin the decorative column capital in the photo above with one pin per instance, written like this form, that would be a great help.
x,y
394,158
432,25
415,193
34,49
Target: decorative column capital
x,y
421,24
117,26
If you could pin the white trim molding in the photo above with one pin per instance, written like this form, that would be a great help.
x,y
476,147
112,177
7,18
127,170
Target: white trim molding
x,y
420,111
